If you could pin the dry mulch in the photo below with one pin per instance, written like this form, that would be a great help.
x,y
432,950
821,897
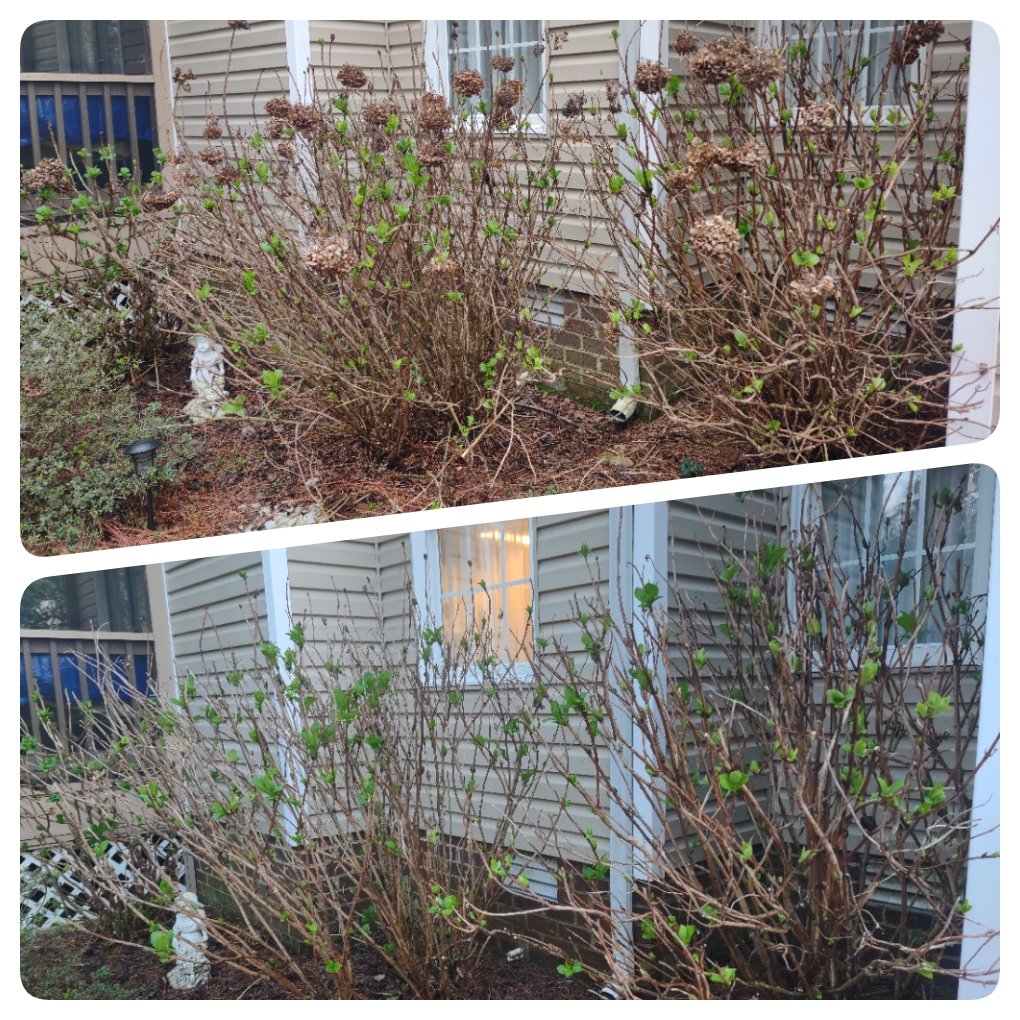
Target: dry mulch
x,y
243,465
72,960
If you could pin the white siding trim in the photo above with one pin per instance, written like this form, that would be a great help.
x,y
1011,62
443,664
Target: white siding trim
x,y
978,281
984,870
299,58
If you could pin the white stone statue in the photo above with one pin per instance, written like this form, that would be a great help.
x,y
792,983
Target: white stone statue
x,y
190,938
207,379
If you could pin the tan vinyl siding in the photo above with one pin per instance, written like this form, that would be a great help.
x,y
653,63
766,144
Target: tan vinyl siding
x,y
362,43
258,70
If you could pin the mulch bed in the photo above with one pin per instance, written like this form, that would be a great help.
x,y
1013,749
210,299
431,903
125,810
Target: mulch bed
x,y
133,970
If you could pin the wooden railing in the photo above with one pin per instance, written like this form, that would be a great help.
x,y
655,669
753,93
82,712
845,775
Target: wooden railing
x,y
65,114
60,670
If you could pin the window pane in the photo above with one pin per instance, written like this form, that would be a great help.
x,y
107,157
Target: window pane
x,y
473,43
484,540
488,620
518,598
517,550
453,557
455,618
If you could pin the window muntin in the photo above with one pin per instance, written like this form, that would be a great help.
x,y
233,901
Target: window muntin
x,y
485,580
874,510
471,44
836,45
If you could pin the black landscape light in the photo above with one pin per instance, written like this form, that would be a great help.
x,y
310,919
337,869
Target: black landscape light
x,y
143,456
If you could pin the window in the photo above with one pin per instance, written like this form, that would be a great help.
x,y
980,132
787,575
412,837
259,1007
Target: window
x,y
836,45
455,46
86,47
485,581
874,511
114,601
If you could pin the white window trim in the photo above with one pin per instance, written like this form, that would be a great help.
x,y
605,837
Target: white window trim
x,y
436,35
426,585
864,115
805,505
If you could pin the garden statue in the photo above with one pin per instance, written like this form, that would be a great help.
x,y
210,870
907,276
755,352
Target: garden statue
x,y
189,941
207,371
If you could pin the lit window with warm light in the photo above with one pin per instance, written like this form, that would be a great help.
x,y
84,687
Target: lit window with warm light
x,y
485,576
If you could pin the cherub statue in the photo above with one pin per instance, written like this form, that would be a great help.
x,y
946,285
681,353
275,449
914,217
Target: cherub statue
x,y
207,378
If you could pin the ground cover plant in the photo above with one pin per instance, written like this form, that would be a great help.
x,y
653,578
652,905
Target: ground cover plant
x,y
786,222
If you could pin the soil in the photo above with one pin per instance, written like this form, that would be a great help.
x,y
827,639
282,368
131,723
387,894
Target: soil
x,y
72,963
247,471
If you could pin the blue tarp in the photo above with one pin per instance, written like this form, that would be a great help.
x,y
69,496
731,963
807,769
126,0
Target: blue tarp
x,y
46,112
71,676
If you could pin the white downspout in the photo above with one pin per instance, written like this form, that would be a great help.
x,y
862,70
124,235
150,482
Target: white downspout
x,y
299,60
976,329
981,922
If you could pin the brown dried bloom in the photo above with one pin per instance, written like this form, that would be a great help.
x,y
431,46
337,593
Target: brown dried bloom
x,y
239,24
378,114
744,158
286,150
161,198
226,174
685,43
715,62
352,77
184,176
509,93
757,68
278,107
306,119
677,180
48,174
432,154
701,157
502,118
715,238
434,114
574,106
182,78
212,128
613,96
811,289
922,33
331,258
468,83
275,127
650,77
211,155
503,64
817,118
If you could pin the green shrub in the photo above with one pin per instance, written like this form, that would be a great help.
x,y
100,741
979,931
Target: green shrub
x,y
77,414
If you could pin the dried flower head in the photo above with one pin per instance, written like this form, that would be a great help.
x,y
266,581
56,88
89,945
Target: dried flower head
x,y
811,289
613,96
432,154
685,43
677,180
818,118
701,157
468,83
378,114
503,64
161,198
212,128
715,62
48,174
745,158
650,77
509,93
922,33
503,118
184,176
226,174
306,119
715,238
239,24
574,106
182,78
286,150
756,68
275,127
352,77
434,114
331,258
211,155
278,107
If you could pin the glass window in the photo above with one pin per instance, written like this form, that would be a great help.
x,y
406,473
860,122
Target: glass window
x,y
472,44
105,600
86,47
485,580
917,523
836,45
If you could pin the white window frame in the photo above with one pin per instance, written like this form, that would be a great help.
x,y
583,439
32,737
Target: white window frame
x,y
426,584
437,63
765,38
805,506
